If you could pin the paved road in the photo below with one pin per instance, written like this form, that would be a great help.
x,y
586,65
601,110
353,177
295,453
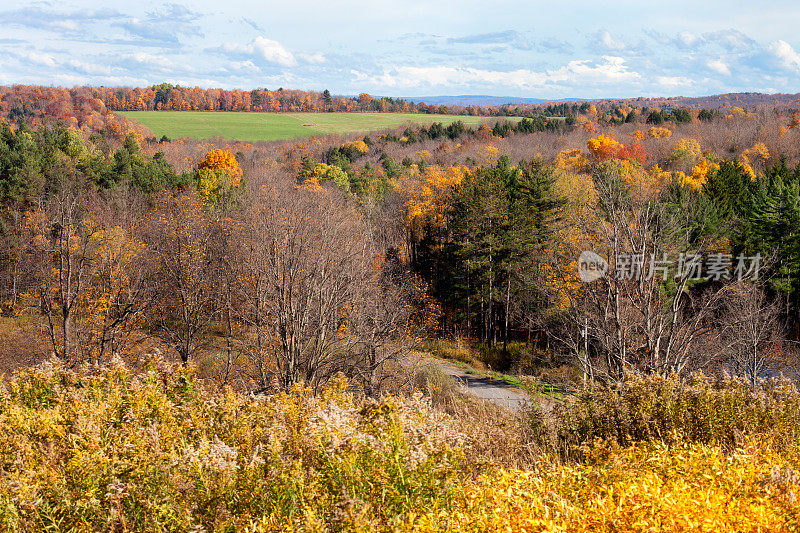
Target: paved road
x,y
482,387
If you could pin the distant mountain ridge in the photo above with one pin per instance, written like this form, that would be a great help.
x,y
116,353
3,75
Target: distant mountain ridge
x,y
476,99
714,101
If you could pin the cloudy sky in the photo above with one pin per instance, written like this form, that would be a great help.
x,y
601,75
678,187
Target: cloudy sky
x,y
545,49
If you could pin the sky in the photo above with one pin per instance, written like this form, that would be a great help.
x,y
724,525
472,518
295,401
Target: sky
x,y
410,48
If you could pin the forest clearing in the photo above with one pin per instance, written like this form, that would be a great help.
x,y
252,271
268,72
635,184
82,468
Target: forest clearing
x,y
279,126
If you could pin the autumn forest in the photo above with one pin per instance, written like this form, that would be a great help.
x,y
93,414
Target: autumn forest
x,y
284,335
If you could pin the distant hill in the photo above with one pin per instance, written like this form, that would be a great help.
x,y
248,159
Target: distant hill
x,y
476,99
749,100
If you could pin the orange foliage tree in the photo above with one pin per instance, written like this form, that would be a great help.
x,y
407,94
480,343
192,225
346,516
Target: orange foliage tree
x,y
218,174
604,147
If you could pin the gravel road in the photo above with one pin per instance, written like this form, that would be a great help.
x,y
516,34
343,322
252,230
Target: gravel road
x,y
482,387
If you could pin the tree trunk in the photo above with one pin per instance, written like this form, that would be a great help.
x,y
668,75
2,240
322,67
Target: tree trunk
x,y
469,318
490,316
482,333
508,307
229,334
66,329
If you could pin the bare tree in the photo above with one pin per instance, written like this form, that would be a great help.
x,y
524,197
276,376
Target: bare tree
x,y
382,324
312,292
62,243
226,257
642,314
119,287
753,330
178,237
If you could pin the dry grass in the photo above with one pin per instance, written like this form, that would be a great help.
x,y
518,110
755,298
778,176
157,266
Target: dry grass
x,y
724,412
23,343
107,449
493,435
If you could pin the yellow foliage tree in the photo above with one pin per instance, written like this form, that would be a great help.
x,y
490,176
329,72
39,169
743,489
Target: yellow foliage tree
x,y
758,154
699,174
225,161
488,155
687,147
737,112
572,160
218,173
659,133
425,195
360,146
323,172
602,147
85,284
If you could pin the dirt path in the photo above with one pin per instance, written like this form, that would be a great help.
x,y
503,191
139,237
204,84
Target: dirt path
x,y
482,387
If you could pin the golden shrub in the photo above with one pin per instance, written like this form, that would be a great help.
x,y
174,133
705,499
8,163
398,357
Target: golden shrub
x,y
106,449
651,487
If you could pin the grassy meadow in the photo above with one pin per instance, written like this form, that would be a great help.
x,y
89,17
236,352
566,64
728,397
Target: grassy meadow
x,y
278,126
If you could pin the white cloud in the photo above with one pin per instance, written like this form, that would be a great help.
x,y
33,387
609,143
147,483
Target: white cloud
x,y
611,69
40,58
243,66
129,81
131,42
143,58
786,55
89,68
609,42
317,58
267,49
68,25
730,40
719,66
674,81
733,40
688,39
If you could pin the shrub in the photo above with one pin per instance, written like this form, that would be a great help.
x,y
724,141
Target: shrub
x,y
702,410
107,450
110,451
650,487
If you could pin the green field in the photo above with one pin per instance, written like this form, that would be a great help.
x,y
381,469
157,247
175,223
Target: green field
x,y
243,126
